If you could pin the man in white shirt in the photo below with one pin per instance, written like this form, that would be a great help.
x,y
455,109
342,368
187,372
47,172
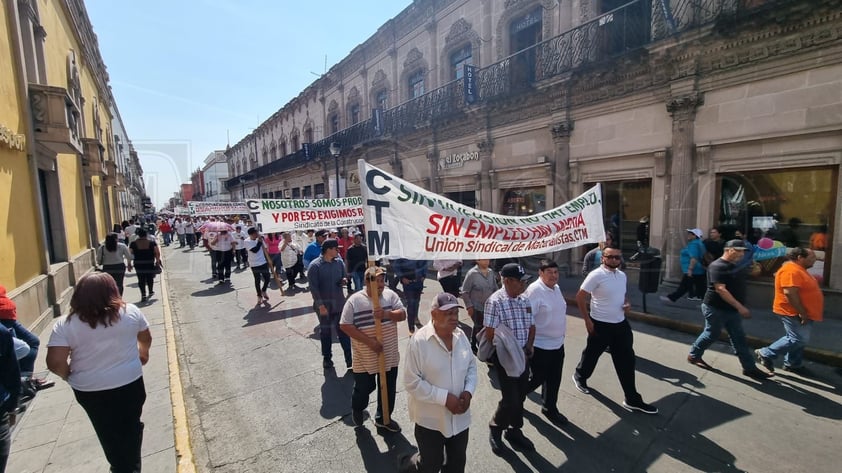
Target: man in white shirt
x,y
448,275
603,304
440,377
550,312
257,262
240,252
222,246
178,226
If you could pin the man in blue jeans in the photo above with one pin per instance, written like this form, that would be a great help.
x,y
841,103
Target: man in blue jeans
x,y
723,307
327,279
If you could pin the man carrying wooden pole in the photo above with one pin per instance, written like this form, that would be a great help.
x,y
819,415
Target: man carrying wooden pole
x,y
370,318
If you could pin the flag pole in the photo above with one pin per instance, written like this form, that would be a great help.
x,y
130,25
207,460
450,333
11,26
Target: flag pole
x,y
381,358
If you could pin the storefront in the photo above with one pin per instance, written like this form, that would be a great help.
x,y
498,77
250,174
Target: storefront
x,y
626,207
779,209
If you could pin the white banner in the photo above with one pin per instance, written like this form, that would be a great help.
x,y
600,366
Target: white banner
x,y
182,210
404,220
198,209
279,215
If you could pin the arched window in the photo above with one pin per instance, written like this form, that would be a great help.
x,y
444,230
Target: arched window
x,y
416,84
334,123
354,112
381,99
459,59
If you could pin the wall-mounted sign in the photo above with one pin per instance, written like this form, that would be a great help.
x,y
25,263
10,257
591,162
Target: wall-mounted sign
x,y
11,139
457,160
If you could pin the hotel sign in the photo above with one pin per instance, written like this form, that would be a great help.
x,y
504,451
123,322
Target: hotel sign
x,y
12,140
457,160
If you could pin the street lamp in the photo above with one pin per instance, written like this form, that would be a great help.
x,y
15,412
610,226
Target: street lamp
x,y
335,150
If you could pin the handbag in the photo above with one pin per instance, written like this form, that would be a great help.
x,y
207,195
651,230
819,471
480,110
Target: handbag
x,y
159,268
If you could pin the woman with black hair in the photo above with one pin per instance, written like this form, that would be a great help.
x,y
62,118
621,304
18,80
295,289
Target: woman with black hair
x,y
115,259
147,260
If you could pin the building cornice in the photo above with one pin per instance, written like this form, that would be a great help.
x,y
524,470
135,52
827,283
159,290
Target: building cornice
x,y
90,54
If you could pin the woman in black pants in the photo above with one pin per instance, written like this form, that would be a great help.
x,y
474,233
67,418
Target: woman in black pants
x,y
100,348
147,258
115,259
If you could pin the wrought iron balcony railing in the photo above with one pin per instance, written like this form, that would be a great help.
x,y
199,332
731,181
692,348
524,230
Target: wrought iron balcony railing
x,y
612,34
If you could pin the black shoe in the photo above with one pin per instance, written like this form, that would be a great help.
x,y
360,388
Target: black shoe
x,y
641,406
359,417
799,370
327,363
554,416
757,374
41,384
764,361
143,299
151,293
519,441
495,439
581,385
698,361
392,426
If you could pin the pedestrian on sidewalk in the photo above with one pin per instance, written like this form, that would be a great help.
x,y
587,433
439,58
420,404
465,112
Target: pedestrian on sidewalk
x,y
480,282
257,262
327,279
357,260
693,272
166,230
358,323
100,348
508,310
440,377
239,251
603,304
550,312
115,259
799,302
10,389
147,260
723,307
314,249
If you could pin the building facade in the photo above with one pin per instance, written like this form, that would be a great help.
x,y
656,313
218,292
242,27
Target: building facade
x,y
61,181
215,176
693,114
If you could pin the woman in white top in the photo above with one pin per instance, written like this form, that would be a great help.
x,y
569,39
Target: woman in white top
x,y
115,259
99,349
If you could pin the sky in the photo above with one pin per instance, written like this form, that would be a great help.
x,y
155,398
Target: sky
x,y
188,74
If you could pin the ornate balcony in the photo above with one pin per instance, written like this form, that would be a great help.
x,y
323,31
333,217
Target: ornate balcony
x,y
110,178
92,159
57,119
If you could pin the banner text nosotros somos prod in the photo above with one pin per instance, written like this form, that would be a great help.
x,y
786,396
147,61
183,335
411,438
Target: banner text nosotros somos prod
x,y
287,215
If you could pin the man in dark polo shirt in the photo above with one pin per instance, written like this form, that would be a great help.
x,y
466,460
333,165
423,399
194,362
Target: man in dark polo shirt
x,y
327,278
723,307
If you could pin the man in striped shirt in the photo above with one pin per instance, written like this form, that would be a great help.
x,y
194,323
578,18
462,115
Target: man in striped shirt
x,y
357,322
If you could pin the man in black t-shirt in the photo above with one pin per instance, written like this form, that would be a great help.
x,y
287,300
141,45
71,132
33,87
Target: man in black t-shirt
x,y
723,307
356,258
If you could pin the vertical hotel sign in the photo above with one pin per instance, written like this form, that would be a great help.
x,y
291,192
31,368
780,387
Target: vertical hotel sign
x,y
12,140
470,84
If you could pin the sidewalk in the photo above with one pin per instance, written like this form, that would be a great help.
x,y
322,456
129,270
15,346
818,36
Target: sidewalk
x,y
55,435
761,329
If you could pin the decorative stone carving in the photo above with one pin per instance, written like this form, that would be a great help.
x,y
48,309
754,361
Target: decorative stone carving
x,y
458,31
413,58
561,130
354,94
380,80
332,107
684,107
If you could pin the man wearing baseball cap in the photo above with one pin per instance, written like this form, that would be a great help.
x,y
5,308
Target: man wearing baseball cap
x,y
327,277
508,307
314,249
723,307
440,376
358,322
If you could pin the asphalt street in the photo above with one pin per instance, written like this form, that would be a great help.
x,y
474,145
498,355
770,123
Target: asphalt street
x,y
258,399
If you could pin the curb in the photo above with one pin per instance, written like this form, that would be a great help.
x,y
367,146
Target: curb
x,y
814,354
181,431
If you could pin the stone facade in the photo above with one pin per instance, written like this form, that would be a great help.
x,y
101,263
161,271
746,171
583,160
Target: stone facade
x,y
720,90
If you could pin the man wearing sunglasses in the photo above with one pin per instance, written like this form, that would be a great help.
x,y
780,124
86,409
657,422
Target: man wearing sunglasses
x,y
603,304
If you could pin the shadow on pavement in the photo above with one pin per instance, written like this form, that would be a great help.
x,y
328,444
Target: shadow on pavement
x,y
336,395
373,458
265,313
214,290
667,374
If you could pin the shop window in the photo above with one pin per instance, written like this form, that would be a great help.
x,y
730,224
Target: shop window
x,y
319,191
458,61
468,198
624,205
416,84
520,202
782,209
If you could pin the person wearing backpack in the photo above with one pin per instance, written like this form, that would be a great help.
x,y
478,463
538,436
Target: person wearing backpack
x,y
714,247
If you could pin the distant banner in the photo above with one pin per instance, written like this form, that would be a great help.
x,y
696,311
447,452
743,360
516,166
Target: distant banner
x,y
198,209
182,210
404,220
279,215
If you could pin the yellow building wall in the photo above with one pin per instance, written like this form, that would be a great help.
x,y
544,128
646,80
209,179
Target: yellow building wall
x,y
61,41
20,257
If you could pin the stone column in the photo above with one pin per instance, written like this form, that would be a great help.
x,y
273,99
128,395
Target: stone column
x,y
682,191
433,162
561,161
486,148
